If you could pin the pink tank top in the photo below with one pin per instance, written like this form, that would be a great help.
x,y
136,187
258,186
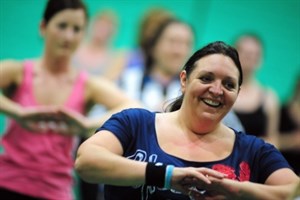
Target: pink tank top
x,y
39,164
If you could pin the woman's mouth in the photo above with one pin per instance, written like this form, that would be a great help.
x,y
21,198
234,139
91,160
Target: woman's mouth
x,y
212,103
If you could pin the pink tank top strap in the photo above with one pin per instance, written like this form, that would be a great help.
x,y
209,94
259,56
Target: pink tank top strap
x,y
28,67
23,95
27,75
76,100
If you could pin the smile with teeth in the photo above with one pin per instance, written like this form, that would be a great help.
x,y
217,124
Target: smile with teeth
x,y
212,103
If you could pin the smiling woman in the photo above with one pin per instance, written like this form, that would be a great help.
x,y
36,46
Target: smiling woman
x,y
214,86
187,151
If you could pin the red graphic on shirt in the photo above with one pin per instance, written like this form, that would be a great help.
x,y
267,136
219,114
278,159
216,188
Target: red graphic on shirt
x,y
244,171
225,170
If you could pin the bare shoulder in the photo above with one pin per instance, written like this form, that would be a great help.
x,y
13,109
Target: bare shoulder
x,y
282,176
11,72
271,94
99,88
271,98
98,83
10,64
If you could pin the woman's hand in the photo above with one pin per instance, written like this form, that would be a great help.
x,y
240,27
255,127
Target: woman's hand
x,y
53,119
74,123
228,189
36,119
193,181
225,189
219,189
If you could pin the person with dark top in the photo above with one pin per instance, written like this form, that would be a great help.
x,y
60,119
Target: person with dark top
x,y
254,122
257,106
290,128
187,152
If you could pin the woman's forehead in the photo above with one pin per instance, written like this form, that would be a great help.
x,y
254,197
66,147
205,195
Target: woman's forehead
x,y
216,63
76,15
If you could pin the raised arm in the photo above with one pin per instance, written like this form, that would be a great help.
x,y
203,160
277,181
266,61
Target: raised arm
x,y
98,90
99,160
278,186
106,93
10,75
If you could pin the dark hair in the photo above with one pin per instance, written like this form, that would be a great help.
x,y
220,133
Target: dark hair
x,y
150,23
148,45
55,6
217,47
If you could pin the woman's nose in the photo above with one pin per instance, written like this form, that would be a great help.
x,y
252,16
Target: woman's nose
x,y
69,34
216,89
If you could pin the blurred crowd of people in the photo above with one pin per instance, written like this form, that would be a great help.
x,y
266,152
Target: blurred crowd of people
x,y
69,92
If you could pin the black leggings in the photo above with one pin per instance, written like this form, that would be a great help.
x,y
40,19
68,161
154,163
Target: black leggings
x,y
6,194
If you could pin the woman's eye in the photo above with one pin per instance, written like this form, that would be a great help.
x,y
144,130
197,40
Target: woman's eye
x,y
206,79
62,25
229,85
77,29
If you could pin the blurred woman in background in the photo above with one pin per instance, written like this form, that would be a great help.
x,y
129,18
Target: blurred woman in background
x,y
46,100
164,54
96,54
256,106
290,128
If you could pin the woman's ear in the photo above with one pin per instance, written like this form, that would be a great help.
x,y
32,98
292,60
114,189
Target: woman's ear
x,y
43,28
239,89
183,80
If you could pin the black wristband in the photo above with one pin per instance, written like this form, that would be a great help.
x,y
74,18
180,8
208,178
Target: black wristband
x,y
155,175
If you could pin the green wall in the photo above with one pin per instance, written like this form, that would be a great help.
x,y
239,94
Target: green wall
x,y
276,21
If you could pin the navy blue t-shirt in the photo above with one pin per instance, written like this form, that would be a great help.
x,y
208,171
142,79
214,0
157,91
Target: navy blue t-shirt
x,y
251,159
